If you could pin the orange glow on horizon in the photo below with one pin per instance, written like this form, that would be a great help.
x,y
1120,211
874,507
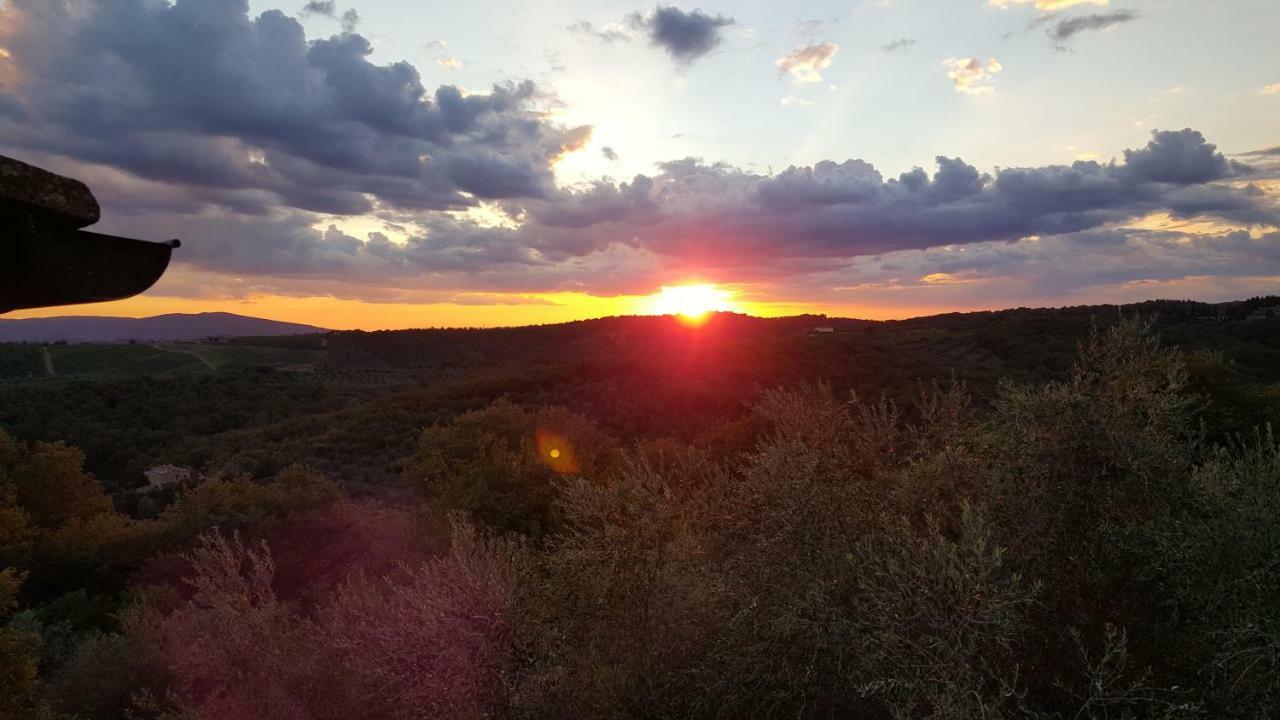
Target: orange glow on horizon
x,y
352,314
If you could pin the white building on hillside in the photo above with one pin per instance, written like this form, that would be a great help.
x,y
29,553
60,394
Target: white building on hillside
x,y
162,476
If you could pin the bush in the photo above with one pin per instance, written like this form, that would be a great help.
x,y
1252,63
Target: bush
x,y
499,465
428,640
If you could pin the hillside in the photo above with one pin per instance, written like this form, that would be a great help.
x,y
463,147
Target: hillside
x,y
169,328
1019,492
1039,487
368,395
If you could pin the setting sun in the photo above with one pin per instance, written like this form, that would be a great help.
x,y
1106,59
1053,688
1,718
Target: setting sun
x,y
692,302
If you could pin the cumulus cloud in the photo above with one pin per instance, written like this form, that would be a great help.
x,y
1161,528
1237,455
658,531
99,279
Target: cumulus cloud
x,y
804,63
201,94
899,44
1065,29
1182,158
971,76
848,209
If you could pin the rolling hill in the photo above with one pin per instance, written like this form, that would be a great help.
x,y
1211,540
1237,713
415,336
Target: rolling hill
x,y
167,328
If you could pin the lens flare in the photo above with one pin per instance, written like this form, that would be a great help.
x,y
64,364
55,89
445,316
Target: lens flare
x,y
691,302
556,452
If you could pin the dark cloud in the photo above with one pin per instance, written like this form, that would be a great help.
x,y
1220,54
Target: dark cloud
x,y
199,93
1066,28
1275,151
609,153
1182,157
328,8
686,36
848,209
349,19
899,44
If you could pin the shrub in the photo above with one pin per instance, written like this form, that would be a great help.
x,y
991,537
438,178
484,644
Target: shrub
x,y
499,465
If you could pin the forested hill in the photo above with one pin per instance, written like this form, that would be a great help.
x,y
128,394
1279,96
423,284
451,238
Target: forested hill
x,y
631,517
354,403
1016,343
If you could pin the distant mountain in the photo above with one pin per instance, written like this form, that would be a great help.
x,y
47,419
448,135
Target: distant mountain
x,y
161,327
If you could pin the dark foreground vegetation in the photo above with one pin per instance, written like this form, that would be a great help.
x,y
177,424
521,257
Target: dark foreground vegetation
x,y
588,529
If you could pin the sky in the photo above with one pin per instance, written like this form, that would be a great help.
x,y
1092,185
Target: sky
x,y
400,163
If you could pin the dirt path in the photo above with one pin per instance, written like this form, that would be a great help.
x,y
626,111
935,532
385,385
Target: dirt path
x,y
48,361
197,356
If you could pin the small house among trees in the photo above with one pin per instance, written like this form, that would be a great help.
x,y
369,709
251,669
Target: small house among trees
x,y
163,476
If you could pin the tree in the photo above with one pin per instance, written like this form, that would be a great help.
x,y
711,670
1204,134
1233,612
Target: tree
x,y
500,464
20,692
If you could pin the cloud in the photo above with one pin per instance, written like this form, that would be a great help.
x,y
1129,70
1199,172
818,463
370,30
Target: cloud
x,y
1046,5
1115,264
804,63
202,95
685,36
1273,89
1065,29
1182,158
609,153
613,32
328,8
971,76
350,19
899,44
449,63
848,209
264,151
498,299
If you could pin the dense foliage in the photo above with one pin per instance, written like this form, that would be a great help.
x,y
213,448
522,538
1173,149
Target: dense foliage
x,y
1093,539
358,414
